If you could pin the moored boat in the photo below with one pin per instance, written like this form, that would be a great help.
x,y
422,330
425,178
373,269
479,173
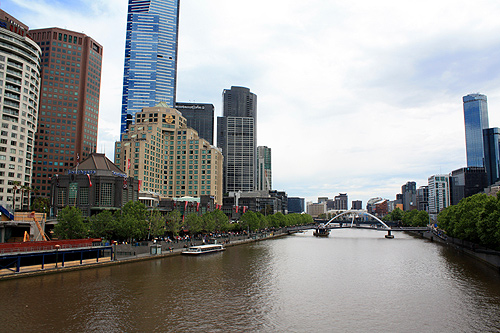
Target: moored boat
x,y
202,249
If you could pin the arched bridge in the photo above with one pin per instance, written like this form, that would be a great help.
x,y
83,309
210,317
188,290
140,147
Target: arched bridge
x,y
374,224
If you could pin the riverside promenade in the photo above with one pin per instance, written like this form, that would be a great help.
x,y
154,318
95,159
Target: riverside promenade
x,y
129,253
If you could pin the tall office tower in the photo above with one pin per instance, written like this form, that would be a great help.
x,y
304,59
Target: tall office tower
x,y
150,69
69,103
237,137
475,119
168,157
264,174
20,89
409,192
296,205
491,139
199,117
439,194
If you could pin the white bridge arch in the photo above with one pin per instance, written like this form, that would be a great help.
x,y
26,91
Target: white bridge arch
x,y
355,213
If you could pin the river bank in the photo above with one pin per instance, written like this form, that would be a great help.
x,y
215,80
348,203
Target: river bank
x,y
130,253
488,257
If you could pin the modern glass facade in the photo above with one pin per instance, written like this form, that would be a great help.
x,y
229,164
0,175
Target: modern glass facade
x,y
199,117
491,139
439,194
476,119
150,69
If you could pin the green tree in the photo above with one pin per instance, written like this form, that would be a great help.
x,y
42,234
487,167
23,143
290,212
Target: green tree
x,y
103,225
133,221
208,222
70,224
41,205
173,219
221,220
157,224
250,221
421,219
194,223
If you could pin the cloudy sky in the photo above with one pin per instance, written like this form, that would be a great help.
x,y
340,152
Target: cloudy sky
x,y
354,96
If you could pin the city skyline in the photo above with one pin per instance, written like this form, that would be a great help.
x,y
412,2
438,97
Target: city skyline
x,y
352,97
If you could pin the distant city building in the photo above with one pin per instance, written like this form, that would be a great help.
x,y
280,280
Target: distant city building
x,y
340,202
476,120
491,140
316,209
377,206
237,137
357,204
264,173
199,117
465,182
439,194
409,193
69,104
150,69
95,185
296,205
423,198
20,81
169,158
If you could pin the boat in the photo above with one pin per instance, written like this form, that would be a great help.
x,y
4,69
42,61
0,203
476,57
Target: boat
x,y
202,249
321,231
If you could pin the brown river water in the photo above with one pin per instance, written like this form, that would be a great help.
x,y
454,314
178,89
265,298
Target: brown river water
x,y
353,281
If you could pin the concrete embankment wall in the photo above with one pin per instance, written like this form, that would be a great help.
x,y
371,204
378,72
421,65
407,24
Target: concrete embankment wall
x,y
489,257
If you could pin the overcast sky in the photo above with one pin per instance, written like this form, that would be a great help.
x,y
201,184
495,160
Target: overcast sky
x,y
355,96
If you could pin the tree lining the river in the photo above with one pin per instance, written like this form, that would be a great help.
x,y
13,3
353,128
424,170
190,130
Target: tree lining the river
x,y
475,219
135,221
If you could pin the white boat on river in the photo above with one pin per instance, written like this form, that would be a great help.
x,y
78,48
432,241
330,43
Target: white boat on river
x,y
202,249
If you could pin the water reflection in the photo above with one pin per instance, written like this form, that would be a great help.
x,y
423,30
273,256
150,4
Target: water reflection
x,y
354,280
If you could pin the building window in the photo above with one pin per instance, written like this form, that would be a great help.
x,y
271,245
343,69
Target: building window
x,y
61,197
106,195
84,196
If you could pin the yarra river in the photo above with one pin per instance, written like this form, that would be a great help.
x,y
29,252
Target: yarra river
x,y
353,281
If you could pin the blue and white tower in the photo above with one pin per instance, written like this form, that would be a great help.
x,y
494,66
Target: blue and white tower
x,y
150,70
476,120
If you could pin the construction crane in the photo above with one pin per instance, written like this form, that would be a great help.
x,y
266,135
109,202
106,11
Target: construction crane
x,y
40,229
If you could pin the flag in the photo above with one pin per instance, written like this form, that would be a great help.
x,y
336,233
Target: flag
x,y
197,206
237,209
244,209
90,183
140,182
185,205
128,164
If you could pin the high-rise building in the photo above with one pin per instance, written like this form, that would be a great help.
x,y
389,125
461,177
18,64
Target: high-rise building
x,y
476,120
167,157
296,205
69,103
439,194
20,91
491,140
340,202
199,117
423,198
150,69
409,192
237,137
264,174
465,182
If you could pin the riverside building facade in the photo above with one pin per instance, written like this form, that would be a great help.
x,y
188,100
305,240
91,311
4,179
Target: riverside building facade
x,y
264,172
169,158
150,69
19,90
69,102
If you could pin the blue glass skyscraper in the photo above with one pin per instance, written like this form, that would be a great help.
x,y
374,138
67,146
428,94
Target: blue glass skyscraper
x,y
476,120
150,69
492,154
